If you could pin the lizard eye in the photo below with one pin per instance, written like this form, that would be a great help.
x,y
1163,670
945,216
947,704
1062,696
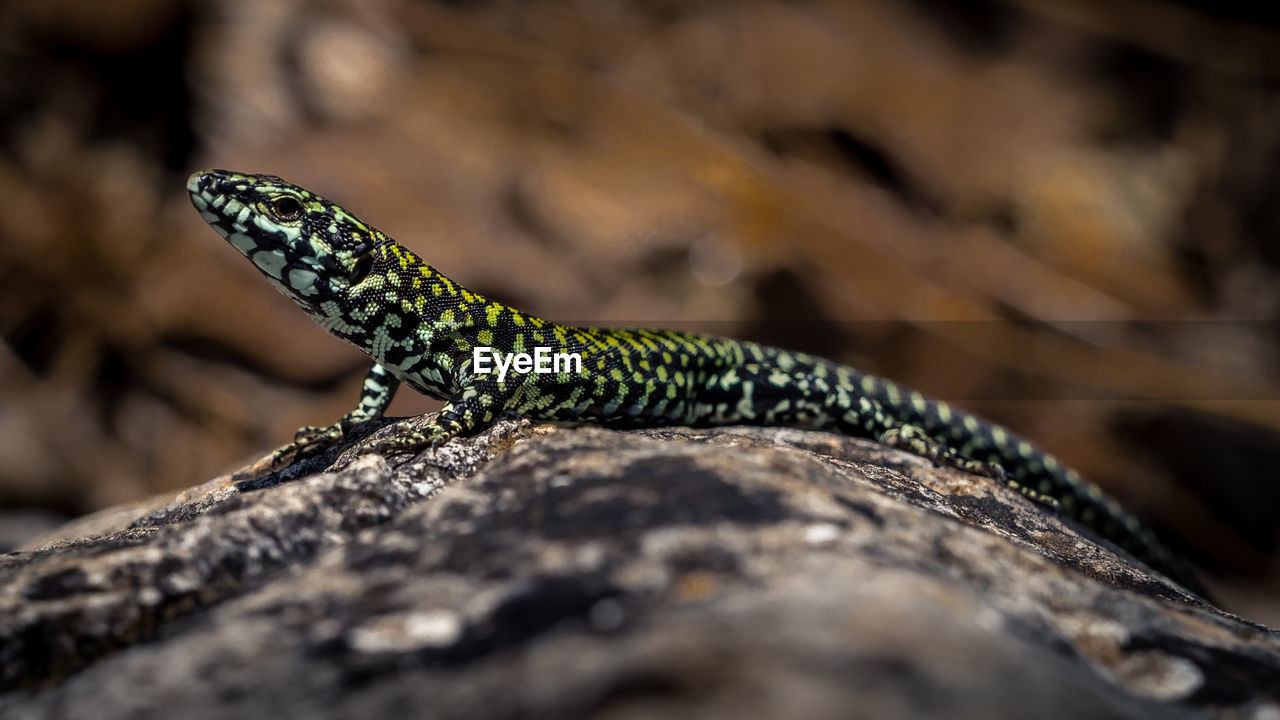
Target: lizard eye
x,y
286,208
361,268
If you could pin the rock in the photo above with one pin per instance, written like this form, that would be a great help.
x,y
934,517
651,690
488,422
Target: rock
x,y
553,572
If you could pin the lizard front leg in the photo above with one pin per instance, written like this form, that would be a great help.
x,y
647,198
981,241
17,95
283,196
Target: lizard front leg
x,y
473,408
375,395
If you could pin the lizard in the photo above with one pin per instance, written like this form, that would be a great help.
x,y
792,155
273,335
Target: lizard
x,y
422,328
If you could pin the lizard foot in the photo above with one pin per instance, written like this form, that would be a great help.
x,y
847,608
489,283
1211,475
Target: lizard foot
x,y
916,441
308,442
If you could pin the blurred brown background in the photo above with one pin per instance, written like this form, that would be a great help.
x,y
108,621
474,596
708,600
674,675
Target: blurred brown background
x,y
1058,213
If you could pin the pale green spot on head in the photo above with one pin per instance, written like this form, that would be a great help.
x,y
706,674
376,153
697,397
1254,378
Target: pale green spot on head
x,y
271,262
243,243
302,280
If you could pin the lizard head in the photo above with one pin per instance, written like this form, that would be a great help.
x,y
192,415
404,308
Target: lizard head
x,y
312,250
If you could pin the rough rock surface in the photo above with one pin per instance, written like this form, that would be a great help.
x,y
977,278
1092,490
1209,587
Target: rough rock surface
x,y
583,572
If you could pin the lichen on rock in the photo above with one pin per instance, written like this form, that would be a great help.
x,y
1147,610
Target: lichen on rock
x,y
575,572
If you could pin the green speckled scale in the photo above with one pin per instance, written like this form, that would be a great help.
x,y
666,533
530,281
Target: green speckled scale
x,y
420,328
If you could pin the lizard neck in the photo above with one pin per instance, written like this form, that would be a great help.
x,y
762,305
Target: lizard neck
x,y
416,322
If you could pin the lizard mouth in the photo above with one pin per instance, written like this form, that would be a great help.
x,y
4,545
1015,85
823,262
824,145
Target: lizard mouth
x,y
219,197
213,192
